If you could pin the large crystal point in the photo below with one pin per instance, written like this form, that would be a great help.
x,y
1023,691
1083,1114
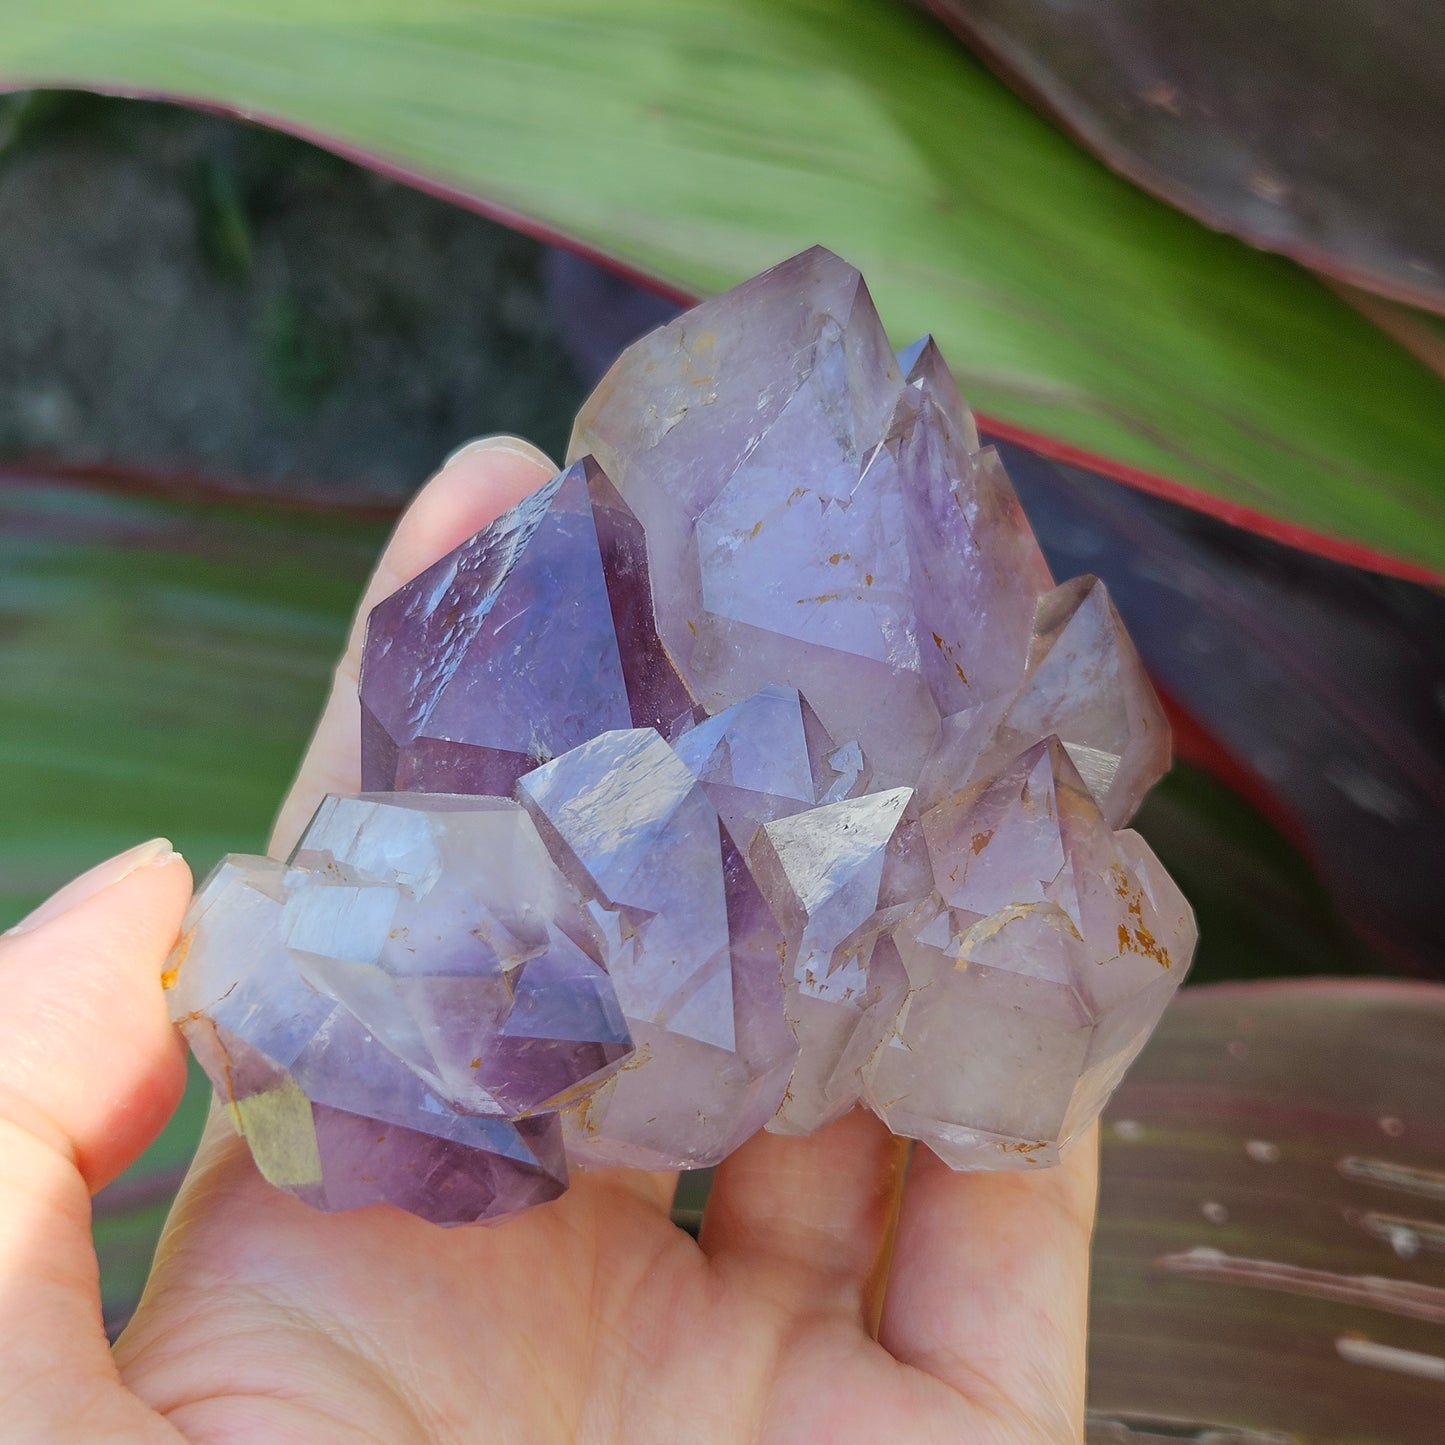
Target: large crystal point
x,y
497,657
421,964
824,871
693,951
1035,973
891,585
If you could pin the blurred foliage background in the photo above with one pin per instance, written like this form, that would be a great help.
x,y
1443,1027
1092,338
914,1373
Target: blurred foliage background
x,y
228,357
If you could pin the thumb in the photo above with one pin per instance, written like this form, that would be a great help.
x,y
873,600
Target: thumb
x,y
90,1069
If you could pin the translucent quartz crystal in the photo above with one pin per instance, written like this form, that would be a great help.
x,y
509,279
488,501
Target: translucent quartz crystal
x,y
794,778
1084,683
823,871
923,367
470,685
693,951
420,965
767,758
1035,972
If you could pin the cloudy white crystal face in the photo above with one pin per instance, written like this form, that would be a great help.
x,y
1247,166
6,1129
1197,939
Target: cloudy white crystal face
x,y
791,785
1035,972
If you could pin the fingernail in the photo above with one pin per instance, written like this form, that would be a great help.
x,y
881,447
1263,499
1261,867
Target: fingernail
x,y
512,446
155,854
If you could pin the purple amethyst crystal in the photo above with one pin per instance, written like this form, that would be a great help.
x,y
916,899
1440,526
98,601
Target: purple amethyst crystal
x,y
767,758
693,952
827,526
790,781
421,963
823,871
466,684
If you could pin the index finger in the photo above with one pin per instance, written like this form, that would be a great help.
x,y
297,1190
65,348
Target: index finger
x,y
475,486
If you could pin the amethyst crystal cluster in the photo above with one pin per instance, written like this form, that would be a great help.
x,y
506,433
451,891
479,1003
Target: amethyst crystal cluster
x,y
751,769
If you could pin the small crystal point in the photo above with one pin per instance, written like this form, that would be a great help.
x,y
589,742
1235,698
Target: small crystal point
x,y
974,570
824,870
1083,683
999,845
693,952
1034,978
768,757
923,367
1086,684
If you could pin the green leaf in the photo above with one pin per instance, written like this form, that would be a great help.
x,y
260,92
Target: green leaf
x,y
700,142
161,667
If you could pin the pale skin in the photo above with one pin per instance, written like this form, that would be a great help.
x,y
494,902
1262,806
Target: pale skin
x,y
591,1319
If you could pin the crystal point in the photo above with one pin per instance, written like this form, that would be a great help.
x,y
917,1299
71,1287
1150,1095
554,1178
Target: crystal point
x,y
766,758
924,368
1035,976
824,871
1085,684
693,952
500,656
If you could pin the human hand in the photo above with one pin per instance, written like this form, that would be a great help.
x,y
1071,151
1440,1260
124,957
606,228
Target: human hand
x,y
590,1319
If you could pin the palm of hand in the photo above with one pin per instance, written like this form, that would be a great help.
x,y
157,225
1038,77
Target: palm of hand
x,y
597,1319
828,1298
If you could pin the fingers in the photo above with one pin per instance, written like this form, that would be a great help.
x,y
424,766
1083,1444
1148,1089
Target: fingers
x,y
90,1069
813,1217
477,484
988,1289
85,1042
